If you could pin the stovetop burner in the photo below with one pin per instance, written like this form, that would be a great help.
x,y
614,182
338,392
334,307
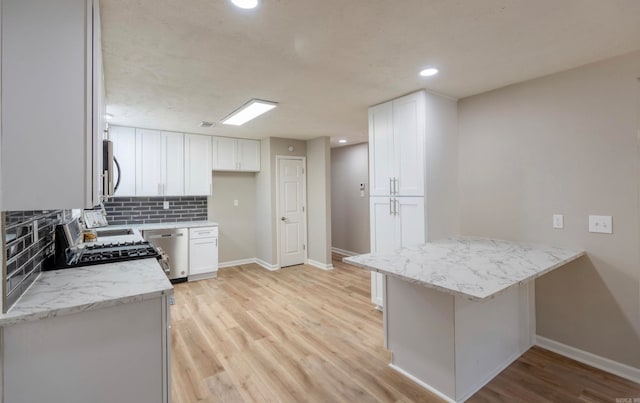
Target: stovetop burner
x,y
110,253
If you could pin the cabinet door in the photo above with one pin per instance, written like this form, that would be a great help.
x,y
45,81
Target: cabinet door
x,y
148,163
99,106
408,133
203,256
172,164
383,238
410,223
197,164
224,154
248,155
381,149
124,150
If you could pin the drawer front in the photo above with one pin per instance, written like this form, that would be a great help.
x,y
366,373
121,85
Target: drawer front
x,y
203,232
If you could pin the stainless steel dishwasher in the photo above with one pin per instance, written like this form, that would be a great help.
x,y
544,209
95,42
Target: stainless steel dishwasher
x,y
175,244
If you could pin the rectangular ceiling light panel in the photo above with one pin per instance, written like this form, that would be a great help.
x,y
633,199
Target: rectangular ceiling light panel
x,y
248,111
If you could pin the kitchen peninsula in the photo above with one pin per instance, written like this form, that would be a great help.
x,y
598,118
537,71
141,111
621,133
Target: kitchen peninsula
x,y
458,311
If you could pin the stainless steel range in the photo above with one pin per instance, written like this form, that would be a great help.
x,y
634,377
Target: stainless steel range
x,y
70,252
112,252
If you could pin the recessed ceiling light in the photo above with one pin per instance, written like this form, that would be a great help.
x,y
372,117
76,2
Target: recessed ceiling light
x,y
342,141
248,111
108,116
245,4
431,71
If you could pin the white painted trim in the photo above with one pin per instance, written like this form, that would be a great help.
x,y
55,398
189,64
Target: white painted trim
x,y
306,206
585,357
343,252
421,383
319,265
202,276
236,262
266,265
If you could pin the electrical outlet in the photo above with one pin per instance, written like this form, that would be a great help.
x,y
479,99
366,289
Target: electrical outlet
x,y
602,224
558,221
165,205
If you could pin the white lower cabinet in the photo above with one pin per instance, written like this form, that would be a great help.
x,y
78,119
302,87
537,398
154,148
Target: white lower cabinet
x,y
203,253
114,354
395,222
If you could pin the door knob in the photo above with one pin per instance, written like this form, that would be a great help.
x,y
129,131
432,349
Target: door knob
x,y
283,219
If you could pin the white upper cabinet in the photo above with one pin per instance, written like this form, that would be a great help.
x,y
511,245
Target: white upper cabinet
x,y
224,154
197,164
159,163
172,164
409,116
231,154
52,104
396,146
124,151
381,149
248,155
148,163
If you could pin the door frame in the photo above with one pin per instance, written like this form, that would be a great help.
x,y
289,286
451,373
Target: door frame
x,y
304,202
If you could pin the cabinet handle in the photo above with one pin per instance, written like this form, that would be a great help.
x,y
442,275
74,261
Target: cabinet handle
x,y
390,185
390,206
397,206
216,242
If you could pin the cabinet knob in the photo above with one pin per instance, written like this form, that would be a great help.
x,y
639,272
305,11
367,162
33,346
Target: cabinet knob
x,y
283,219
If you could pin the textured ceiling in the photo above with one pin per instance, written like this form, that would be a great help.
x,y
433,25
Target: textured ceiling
x,y
170,64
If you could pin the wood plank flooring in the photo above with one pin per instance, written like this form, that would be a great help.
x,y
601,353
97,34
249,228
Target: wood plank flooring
x,y
302,334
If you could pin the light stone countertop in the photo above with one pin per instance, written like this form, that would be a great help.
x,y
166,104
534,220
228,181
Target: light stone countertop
x,y
67,291
471,267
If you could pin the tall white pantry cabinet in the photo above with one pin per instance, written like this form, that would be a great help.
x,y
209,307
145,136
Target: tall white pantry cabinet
x,y
412,142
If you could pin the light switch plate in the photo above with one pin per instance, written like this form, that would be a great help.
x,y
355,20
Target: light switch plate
x,y
235,203
602,224
558,221
165,205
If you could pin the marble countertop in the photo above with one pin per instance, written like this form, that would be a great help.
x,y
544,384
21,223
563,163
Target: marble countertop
x,y
471,267
67,291
166,225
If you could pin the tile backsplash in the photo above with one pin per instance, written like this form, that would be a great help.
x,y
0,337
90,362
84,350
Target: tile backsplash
x,y
29,242
150,210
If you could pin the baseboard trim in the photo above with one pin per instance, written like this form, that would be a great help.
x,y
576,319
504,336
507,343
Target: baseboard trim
x,y
268,266
319,265
421,383
585,357
202,276
236,262
343,252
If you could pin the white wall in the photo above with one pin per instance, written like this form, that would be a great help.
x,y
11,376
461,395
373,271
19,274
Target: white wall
x,y
236,237
349,210
319,200
565,144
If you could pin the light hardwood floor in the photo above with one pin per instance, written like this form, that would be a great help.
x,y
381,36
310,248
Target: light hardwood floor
x,y
302,334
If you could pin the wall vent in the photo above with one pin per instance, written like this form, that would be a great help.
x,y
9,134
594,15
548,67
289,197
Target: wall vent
x,y
204,123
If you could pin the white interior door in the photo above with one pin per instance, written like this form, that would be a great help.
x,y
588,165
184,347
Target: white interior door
x,y
291,210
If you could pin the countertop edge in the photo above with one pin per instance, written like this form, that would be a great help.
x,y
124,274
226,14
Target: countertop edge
x,y
462,294
13,320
